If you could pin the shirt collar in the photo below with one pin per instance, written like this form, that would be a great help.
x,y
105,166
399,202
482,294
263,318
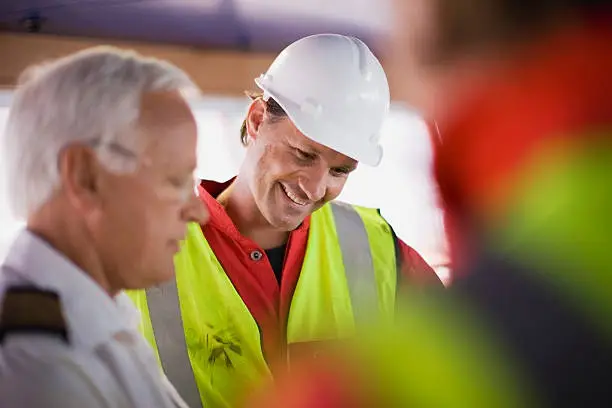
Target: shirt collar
x,y
208,191
92,316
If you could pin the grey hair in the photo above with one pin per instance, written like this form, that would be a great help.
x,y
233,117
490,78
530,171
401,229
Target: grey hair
x,y
90,97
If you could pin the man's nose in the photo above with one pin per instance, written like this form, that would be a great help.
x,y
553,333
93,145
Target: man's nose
x,y
195,211
314,184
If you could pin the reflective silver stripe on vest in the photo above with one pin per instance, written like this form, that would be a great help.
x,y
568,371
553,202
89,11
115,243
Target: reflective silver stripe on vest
x,y
357,259
165,313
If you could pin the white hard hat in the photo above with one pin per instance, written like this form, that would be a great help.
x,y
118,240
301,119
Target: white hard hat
x,y
335,92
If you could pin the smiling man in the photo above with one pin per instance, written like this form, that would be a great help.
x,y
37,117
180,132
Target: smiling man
x,y
281,270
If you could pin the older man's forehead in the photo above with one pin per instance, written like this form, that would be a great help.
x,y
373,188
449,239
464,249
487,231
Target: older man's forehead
x,y
168,131
163,109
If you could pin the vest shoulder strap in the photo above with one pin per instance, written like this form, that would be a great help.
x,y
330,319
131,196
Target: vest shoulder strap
x,y
27,309
369,254
372,216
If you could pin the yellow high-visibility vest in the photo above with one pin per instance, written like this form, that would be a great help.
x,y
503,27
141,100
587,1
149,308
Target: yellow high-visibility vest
x,y
205,337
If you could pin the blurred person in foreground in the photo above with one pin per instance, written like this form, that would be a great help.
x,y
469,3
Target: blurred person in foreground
x,y
282,269
522,95
99,155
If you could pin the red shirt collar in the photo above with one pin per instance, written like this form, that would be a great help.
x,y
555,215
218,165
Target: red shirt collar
x,y
209,190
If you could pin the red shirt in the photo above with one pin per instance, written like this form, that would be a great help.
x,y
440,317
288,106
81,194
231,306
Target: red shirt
x,y
253,276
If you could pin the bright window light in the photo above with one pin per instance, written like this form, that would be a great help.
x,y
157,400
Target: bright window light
x,y
402,186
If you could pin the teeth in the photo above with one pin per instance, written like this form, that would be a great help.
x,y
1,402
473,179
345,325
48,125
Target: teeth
x,y
293,197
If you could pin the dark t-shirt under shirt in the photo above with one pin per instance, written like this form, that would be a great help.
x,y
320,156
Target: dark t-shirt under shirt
x,y
276,256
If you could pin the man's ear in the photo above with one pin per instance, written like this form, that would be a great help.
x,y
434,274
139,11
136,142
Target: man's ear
x,y
79,172
255,117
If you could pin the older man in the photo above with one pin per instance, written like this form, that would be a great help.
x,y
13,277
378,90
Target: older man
x,y
100,154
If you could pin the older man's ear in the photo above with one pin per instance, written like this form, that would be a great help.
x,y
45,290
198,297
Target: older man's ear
x,y
80,175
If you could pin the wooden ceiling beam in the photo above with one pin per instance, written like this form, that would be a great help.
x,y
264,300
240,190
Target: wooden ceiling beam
x,y
217,72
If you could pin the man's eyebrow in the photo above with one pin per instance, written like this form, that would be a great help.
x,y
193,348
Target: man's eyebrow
x,y
348,167
306,149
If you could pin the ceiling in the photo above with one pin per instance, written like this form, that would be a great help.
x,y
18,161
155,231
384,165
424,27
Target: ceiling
x,y
252,25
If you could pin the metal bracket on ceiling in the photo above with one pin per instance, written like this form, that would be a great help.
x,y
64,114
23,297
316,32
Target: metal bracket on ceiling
x,y
33,22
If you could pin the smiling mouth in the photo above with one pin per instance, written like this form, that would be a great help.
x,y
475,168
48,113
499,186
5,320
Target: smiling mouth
x,y
295,199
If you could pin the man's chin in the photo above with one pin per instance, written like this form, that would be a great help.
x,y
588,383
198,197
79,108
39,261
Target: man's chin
x,y
285,217
287,223
161,277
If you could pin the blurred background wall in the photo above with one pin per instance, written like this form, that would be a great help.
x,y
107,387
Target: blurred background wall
x,y
224,45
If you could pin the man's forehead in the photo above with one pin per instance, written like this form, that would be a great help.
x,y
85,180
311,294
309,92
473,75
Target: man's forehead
x,y
304,142
163,108
168,131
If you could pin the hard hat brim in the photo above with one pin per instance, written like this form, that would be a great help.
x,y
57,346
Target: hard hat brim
x,y
369,154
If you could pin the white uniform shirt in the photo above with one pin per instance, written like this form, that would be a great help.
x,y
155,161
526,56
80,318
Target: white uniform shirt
x,y
107,363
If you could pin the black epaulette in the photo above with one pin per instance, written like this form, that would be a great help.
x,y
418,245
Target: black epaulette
x,y
26,309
